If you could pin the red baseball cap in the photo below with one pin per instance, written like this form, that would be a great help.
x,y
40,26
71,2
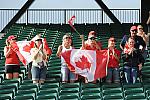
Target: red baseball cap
x,y
133,28
11,37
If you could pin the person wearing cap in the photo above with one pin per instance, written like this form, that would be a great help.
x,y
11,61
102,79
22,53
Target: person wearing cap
x,y
12,63
132,61
139,42
141,33
113,64
39,66
91,43
66,73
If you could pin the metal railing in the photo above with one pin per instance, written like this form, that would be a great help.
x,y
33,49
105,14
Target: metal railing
x,y
61,16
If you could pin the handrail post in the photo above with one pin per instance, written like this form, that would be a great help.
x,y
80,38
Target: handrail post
x,y
64,16
27,17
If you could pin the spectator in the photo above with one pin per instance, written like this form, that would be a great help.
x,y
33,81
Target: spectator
x,y
142,34
39,59
12,63
139,42
90,44
133,60
66,73
113,64
45,46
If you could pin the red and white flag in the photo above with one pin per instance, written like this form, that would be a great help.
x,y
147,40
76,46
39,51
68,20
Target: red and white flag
x,y
71,20
88,63
24,48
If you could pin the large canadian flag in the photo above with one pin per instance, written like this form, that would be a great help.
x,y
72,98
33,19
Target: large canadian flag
x,y
24,48
88,63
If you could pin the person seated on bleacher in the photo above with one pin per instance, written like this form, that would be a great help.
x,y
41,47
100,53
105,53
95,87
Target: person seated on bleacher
x,y
132,60
12,63
90,44
141,33
39,59
66,73
113,64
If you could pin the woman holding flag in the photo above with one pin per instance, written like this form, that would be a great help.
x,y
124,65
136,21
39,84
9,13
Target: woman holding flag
x,y
39,59
66,73
12,63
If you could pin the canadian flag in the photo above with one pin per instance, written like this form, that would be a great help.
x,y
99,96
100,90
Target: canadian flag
x,y
24,50
88,63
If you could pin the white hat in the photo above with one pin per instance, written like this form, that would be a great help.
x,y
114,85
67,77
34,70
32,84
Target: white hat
x,y
65,36
37,37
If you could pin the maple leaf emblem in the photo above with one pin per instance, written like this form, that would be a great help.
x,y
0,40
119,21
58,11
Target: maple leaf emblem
x,y
26,48
84,63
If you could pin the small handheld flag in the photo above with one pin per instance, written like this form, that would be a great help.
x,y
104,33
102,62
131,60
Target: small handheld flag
x,y
71,23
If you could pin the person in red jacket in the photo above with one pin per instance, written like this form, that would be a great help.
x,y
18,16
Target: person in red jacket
x,y
12,63
113,64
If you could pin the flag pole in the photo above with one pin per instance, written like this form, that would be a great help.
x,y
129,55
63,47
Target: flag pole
x,y
70,23
75,30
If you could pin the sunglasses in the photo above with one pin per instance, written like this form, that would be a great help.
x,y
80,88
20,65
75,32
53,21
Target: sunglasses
x,y
38,40
140,28
14,39
68,38
112,40
134,30
92,38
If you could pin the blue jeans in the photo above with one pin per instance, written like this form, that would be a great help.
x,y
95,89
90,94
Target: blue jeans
x,y
112,75
38,73
130,74
66,74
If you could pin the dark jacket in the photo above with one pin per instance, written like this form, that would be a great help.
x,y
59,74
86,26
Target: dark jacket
x,y
134,59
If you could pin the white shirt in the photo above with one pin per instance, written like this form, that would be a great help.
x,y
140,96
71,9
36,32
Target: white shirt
x,y
39,57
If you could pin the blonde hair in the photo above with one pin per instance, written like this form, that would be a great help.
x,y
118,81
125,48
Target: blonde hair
x,y
7,42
